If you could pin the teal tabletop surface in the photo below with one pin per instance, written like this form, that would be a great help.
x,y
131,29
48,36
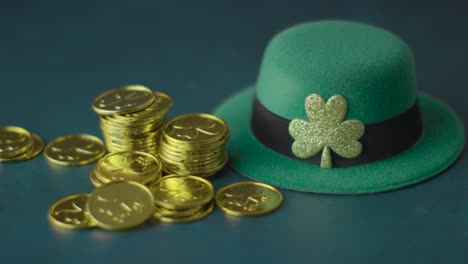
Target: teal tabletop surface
x,y
57,56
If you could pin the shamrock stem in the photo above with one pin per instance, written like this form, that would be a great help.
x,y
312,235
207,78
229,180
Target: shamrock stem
x,y
326,161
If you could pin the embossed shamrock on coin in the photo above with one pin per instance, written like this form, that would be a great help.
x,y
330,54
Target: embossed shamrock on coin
x,y
182,192
121,205
161,104
123,100
196,128
70,212
130,166
72,150
14,141
36,148
248,199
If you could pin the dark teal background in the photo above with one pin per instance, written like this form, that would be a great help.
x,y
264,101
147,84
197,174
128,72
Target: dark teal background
x,y
56,56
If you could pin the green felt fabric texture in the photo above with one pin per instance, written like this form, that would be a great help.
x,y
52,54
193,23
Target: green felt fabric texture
x,y
439,146
372,68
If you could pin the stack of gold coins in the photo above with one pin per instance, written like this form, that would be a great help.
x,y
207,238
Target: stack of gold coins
x,y
18,144
134,166
182,198
132,117
194,144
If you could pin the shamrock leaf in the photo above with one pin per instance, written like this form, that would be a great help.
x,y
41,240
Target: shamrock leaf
x,y
326,130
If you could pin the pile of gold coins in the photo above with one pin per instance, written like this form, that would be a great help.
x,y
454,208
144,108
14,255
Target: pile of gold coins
x,y
116,205
18,144
194,144
130,186
119,205
132,117
135,166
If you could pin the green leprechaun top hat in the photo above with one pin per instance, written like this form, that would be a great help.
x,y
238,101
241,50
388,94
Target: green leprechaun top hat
x,y
336,110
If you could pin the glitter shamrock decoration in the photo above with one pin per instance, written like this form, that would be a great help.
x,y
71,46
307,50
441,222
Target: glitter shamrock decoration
x,y
326,130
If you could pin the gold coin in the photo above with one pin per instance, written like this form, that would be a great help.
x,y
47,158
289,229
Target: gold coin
x,y
182,192
124,144
199,170
195,128
199,174
34,150
38,146
129,148
195,167
188,161
248,199
130,166
201,145
123,100
192,164
147,138
163,212
73,150
121,205
70,212
205,211
160,106
94,180
120,121
14,141
110,127
188,158
131,134
99,178
192,151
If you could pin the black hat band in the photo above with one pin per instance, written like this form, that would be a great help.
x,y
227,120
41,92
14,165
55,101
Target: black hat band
x,y
380,140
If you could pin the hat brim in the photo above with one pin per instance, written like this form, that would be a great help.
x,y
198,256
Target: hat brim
x,y
440,144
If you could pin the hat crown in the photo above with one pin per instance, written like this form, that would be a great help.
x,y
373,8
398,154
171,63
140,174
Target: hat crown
x,y
372,68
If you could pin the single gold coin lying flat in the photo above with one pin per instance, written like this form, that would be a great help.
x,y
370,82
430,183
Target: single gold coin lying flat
x,y
195,128
34,150
121,205
70,212
130,166
14,141
202,213
182,192
248,199
73,150
123,100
